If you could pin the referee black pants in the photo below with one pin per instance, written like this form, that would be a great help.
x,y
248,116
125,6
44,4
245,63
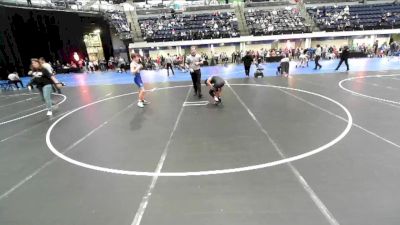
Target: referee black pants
x,y
317,58
169,66
247,69
346,61
196,79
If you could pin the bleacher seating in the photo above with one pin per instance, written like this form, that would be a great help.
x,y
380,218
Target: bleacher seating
x,y
173,27
357,17
118,20
271,22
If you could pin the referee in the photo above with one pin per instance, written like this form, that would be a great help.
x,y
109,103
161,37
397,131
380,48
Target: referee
x,y
247,61
194,61
169,62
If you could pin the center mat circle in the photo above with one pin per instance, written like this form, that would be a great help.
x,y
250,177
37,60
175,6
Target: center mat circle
x,y
208,172
364,95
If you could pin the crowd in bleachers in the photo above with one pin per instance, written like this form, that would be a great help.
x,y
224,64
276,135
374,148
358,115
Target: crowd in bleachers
x,y
277,21
174,27
117,20
357,17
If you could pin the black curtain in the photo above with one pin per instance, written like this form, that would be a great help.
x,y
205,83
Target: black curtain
x,y
55,35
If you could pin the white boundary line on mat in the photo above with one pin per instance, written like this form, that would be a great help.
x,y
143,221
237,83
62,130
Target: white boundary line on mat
x,y
208,172
368,96
34,113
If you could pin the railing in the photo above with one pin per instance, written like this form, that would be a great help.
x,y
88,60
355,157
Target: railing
x,y
207,7
152,11
246,39
45,5
328,1
268,4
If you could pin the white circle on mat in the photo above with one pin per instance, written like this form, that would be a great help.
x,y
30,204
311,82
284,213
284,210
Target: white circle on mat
x,y
34,113
208,172
368,96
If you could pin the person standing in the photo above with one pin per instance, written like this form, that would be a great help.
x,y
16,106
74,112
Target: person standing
x,y
14,79
169,62
50,69
344,57
121,64
46,65
247,61
44,81
283,68
91,66
318,53
194,61
136,67
110,64
375,46
86,64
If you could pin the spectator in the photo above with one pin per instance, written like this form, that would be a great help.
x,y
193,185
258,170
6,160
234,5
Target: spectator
x,y
374,16
14,79
265,22
189,27
121,65
119,22
376,43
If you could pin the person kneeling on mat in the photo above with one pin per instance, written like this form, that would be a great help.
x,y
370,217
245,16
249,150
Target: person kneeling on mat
x,y
215,83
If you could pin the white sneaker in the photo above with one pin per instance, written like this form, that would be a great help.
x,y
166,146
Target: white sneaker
x,y
140,104
145,102
49,113
216,99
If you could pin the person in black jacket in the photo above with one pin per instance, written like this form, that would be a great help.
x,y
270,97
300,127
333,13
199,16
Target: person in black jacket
x,y
44,81
247,61
344,57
